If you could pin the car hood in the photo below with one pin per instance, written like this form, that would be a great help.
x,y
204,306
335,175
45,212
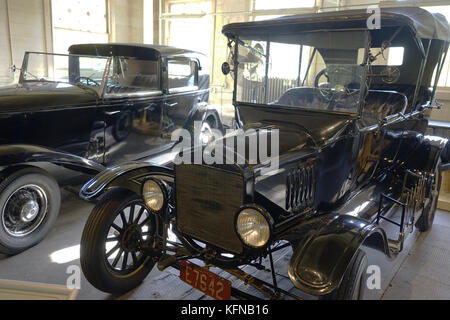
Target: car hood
x,y
37,96
302,134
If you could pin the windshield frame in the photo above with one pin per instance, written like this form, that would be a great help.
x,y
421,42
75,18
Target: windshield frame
x,y
99,90
236,41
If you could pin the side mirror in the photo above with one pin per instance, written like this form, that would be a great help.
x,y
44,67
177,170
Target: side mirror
x,y
226,69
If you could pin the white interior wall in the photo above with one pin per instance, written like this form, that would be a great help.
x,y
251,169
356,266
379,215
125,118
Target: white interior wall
x,y
126,21
5,50
24,27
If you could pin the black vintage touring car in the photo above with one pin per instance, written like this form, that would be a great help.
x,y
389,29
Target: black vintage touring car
x,y
353,159
100,105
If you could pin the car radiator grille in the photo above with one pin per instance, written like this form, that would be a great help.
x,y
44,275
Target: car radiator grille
x,y
207,200
300,187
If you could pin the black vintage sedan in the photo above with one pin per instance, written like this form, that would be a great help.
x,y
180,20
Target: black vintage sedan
x,y
352,174
73,114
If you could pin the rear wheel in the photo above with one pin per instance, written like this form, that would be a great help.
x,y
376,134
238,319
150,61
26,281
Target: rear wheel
x,y
209,124
29,205
429,211
113,251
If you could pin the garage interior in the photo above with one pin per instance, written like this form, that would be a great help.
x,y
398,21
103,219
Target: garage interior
x,y
422,270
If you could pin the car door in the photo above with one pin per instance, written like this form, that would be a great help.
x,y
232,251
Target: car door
x,y
133,111
182,93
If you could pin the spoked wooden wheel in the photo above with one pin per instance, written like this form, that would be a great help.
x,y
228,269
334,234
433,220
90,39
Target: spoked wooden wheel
x,y
114,246
126,237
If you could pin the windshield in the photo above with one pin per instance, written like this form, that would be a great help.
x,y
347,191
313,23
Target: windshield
x,y
71,69
125,75
318,70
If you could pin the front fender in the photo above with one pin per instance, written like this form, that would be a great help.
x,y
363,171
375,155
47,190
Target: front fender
x,y
324,248
128,176
21,153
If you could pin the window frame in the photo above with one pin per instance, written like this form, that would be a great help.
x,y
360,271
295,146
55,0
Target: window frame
x,y
150,92
183,88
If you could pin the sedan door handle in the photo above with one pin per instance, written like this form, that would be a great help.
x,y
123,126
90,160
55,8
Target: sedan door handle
x,y
171,105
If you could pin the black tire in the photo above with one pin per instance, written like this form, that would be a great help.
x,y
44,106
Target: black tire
x,y
426,219
354,280
17,235
93,256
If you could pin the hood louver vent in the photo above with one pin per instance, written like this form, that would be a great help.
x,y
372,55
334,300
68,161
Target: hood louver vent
x,y
300,188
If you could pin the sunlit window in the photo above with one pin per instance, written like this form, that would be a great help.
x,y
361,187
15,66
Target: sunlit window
x,y
388,57
78,21
283,4
187,32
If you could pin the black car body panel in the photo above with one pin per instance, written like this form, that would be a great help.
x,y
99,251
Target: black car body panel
x,y
37,96
11,155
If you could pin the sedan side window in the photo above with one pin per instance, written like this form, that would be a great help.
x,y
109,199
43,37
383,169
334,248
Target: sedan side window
x,y
132,75
182,74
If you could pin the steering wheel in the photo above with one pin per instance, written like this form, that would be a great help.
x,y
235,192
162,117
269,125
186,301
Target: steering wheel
x,y
90,82
325,89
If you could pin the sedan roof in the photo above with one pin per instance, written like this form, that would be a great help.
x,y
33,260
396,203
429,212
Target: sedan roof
x,y
139,51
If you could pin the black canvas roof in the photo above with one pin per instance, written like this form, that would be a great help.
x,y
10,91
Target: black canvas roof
x,y
422,23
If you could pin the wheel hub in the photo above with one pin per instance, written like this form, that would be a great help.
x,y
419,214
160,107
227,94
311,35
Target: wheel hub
x,y
29,211
24,210
131,238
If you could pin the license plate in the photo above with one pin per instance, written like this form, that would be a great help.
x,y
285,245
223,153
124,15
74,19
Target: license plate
x,y
204,280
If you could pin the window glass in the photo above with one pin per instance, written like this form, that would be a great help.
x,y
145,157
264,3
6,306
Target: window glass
x,y
133,75
182,73
92,68
314,71
392,56
283,4
71,69
82,15
80,21
192,32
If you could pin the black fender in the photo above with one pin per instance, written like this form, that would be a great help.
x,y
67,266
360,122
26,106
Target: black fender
x,y
24,154
324,247
129,176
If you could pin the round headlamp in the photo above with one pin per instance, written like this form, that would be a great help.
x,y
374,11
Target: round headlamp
x,y
253,226
154,194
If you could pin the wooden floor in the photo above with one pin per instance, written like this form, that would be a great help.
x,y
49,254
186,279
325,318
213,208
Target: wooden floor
x,y
168,286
